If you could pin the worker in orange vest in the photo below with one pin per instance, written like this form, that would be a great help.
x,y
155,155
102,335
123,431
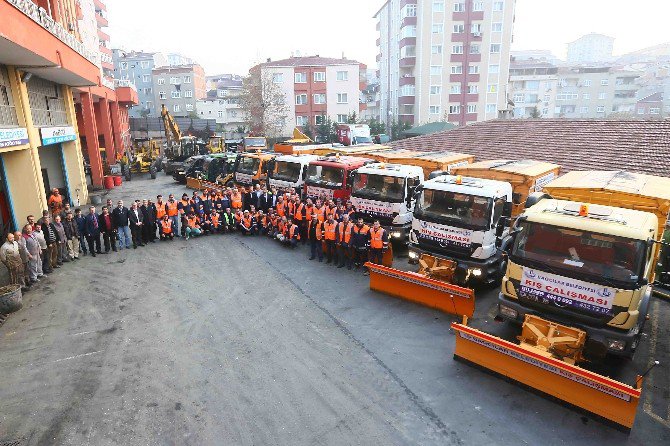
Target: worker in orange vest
x,y
379,243
315,234
166,230
192,225
55,202
282,223
344,242
172,209
330,238
247,224
184,207
360,239
236,199
292,236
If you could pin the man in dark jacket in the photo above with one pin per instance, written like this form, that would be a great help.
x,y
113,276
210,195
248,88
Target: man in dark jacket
x,y
248,199
81,221
72,235
121,221
136,221
92,231
266,200
107,229
52,239
149,221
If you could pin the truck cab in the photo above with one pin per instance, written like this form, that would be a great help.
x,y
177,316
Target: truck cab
x,y
331,176
251,168
218,164
352,134
289,171
254,143
385,192
462,219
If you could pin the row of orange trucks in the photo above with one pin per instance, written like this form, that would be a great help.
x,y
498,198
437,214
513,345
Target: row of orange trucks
x,y
574,255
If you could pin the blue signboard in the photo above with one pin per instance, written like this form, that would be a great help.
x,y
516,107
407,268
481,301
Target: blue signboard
x,y
13,137
54,135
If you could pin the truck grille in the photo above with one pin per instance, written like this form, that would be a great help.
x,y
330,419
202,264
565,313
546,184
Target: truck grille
x,y
447,250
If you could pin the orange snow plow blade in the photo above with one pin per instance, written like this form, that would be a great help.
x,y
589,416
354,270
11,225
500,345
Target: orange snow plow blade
x,y
421,289
535,367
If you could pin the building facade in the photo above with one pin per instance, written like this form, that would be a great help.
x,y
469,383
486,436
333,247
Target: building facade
x,y
136,67
51,73
591,48
650,107
223,102
444,60
532,88
179,88
317,87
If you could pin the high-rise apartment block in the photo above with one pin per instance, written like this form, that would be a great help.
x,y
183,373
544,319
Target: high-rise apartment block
x,y
444,60
135,67
178,87
590,48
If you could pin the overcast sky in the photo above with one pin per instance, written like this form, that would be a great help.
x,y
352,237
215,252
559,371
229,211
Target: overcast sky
x,y
230,36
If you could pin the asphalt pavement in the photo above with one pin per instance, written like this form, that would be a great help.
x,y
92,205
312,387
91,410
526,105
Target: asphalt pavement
x,y
237,340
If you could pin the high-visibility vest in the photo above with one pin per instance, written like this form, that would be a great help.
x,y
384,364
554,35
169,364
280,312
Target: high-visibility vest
x,y
281,226
361,230
215,220
330,230
238,217
160,210
321,213
293,232
246,221
331,211
172,209
309,211
291,208
236,200
345,231
280,209
376,238
318,229
167,226
298,212
192,222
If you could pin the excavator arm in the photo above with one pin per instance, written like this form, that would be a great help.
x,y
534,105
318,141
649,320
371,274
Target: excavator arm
x,y
172,132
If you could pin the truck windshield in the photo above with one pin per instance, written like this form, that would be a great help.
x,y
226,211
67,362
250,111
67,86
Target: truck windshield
x,y
249,165
287,171
363,140
461,210
254,142
598,258
325,176
379,187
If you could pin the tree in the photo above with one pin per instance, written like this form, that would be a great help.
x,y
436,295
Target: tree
x,y
324,129
263,103
352,118
376,126
535,113
308,130
193,115
241,129
396,129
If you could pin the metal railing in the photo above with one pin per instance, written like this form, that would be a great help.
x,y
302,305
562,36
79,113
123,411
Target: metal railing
x,y
124,83
8,115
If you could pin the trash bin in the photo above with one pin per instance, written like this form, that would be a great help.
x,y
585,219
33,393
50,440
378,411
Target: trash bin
x,y
11,299
117,180
108,182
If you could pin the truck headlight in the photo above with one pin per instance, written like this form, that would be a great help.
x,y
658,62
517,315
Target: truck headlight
x,y
413,255
396,234
616,344
477,272
508,312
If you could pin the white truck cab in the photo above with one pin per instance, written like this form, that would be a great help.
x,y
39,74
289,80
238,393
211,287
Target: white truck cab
x,y
385,192
463,219
288,171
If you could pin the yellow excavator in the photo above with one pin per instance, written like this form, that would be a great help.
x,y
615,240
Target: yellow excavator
x,y
178,147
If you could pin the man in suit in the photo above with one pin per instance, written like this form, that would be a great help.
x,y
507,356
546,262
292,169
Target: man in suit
x,y
92,231
120,219
266,200
248,199
107,229
136,220
149,221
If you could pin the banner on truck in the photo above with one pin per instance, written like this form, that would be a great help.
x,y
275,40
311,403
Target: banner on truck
x,y
372,207
314,191
445,234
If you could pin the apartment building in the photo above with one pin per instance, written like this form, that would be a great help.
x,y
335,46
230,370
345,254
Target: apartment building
x,y
223,101
650,107
179,88
532,88
135,67
444,60
316,88
595,92
591,48
56,104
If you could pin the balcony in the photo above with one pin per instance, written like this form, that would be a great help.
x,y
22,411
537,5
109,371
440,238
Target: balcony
x,y
407,80
126,92
408,21
407,61
103,35
102,21
406,100
407,41
99,5
378,57
409,119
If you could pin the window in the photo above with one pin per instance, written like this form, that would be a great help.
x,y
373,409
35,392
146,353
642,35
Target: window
x,y
147,90
150,104
438,6
496,27
519,98
407,90
301,121
586,96
319,119
277,78
342,75
175,80
473,69
438,28
587,83
161,81
478,6
476,28
600,109
566,96
473,89
189,107
408,51
434,110
436,49
176,108
604,82
408,11
219,114
494,69
146,78
498,6
342,119
457,69
459,28
654,111
320,98
300,99
458,7
533,85
124,65
455,49
455,89
474,48
584,110
490,108
472,108
162,95
221,93
495,48
175,94
492,88
188,94
342,98
300,78
435,89
320,76
454,109
408,31
640,111
187,79
435,70
144,64
547,98
602,95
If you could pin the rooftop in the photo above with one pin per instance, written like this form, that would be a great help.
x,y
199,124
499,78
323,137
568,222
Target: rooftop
x,y
641,146
309,61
